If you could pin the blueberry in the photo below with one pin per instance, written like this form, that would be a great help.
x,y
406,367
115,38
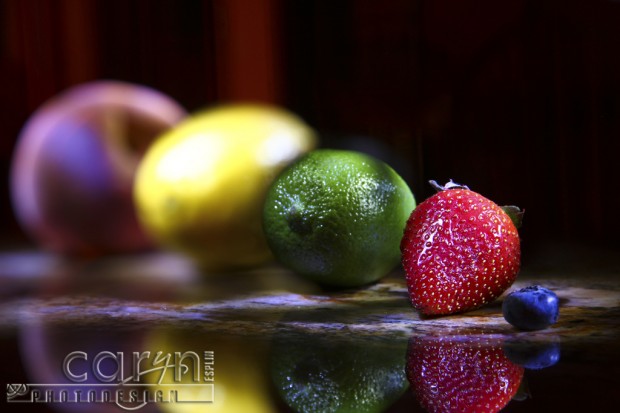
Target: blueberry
x,y
531,308
533,355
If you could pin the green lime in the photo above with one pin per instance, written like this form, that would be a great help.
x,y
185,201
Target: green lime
x,y
337,217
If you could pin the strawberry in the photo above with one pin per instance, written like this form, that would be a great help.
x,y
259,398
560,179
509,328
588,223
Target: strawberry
x,y
456,374
459,251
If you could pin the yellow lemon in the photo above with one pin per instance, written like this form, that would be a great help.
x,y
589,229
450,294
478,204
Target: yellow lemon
x,y
200,187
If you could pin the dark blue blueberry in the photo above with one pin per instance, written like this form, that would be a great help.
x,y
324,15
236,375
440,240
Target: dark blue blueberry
x,y
533,355
531,308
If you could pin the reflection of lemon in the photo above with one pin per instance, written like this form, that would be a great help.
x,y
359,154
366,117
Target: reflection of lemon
x,y
240,378
200,187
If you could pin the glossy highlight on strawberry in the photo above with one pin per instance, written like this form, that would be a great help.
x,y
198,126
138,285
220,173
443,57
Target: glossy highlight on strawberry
x,y
460,251
461,374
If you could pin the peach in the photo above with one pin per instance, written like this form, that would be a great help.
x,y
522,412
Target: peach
x,y
73,167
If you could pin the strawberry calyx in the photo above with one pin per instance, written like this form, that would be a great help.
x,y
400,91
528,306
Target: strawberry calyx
x,y
514,212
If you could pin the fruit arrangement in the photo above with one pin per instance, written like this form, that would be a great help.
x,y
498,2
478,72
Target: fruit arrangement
x,y
114,167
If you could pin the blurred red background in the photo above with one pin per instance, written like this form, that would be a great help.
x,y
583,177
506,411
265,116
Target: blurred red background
x,y
519,99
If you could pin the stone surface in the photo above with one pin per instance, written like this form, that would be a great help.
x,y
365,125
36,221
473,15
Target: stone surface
x,y
256,321
165,289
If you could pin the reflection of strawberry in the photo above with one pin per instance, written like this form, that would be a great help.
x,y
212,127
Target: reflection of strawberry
x,y
459,251
449,374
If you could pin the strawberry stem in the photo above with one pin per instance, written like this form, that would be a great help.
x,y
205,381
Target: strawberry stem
x,y
449,185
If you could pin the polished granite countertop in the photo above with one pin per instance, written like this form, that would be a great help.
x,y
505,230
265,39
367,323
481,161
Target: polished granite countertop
x,y
48,303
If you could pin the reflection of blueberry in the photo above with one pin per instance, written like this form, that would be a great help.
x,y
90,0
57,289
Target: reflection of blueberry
x,y
531,308
533,355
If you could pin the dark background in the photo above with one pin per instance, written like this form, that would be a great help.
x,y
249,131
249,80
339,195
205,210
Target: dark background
x,y
518,99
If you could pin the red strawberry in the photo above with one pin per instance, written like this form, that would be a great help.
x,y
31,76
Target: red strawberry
x,y
452,374
459,251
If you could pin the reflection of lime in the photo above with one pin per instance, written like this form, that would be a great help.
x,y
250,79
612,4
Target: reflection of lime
x,y
322,374
240,380
201,186
337,217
